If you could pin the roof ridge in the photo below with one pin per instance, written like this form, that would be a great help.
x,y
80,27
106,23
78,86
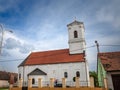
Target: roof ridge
x,y
50,50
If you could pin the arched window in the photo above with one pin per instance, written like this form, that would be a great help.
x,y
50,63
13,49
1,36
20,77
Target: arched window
x,y
65,74
33,81
75,34
77,74
19,76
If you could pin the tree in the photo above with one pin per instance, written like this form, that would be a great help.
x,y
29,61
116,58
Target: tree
x,y
94,74
73,79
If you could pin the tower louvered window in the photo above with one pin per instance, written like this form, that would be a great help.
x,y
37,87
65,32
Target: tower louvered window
x,y
75,34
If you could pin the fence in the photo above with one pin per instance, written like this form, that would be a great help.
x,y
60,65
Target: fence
x,y
51,85
47,83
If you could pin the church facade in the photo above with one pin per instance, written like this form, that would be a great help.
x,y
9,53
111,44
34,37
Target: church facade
x,y
64,63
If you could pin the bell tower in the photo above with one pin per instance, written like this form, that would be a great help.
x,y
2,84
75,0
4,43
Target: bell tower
x,y
76,38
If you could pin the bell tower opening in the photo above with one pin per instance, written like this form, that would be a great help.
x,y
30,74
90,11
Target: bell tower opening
x,y
75,34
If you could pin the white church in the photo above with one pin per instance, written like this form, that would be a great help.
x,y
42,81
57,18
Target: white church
x,y
63,63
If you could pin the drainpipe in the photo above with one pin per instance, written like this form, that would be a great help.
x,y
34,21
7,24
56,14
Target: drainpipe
x,y
85,67
23,75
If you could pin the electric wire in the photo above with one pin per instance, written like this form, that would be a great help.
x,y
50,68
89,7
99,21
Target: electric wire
x,y
44,55
109,45
9,60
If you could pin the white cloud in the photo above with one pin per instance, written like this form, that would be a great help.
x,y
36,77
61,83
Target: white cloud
x,y
110,14
13,45
58,42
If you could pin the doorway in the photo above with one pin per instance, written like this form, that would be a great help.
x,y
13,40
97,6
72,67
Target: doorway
x,y
116,81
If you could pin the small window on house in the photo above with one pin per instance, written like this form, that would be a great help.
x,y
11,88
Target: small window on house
x,y
77,74
33,81
65,74
75,34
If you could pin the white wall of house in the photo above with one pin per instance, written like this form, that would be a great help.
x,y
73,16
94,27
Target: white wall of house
x,y
109,79
57,71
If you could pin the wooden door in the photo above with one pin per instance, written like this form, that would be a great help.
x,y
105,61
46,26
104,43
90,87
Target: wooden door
x,y
116,81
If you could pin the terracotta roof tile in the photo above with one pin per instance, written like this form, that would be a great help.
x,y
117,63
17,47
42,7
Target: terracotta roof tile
x,y
52,57
110,60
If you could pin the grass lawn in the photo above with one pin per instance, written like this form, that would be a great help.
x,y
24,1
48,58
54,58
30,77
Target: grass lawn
x,y
4,89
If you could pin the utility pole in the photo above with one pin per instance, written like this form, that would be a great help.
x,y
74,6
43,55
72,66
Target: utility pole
x,y
101,71
97,44
98,51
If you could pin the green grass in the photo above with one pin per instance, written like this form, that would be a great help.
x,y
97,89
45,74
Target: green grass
x,y
4,89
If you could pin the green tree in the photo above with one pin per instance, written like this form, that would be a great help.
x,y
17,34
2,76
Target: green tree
x,y
94,74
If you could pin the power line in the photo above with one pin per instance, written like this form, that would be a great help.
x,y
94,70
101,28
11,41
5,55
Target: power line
x,y
44,55
110,45
9,60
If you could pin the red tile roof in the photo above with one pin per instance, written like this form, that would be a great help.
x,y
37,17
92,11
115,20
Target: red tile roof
x,y
52,57
110,60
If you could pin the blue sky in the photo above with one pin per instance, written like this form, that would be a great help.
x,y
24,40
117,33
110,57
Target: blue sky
x,y
41,25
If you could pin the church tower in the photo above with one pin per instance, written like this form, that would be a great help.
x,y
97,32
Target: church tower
x,y
76,38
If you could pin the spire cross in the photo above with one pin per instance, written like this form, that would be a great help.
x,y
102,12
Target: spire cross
x,y
75,18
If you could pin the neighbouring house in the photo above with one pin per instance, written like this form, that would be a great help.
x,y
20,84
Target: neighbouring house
x,y
7,78
109,68
4,78
63,63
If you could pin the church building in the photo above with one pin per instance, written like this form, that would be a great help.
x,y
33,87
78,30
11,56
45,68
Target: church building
x,y
63,63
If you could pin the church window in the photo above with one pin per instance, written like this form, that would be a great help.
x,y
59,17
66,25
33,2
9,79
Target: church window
x,y
33,81
75,34
19,76
65,74
77,74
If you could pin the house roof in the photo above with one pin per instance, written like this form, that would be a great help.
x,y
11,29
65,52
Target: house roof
x,y
110,60
52,57
37,72
4,75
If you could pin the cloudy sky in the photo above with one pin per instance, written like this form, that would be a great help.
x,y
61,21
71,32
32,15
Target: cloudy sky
x,y
39,25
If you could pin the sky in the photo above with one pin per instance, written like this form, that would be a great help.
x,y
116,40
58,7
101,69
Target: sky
x,y
41,25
